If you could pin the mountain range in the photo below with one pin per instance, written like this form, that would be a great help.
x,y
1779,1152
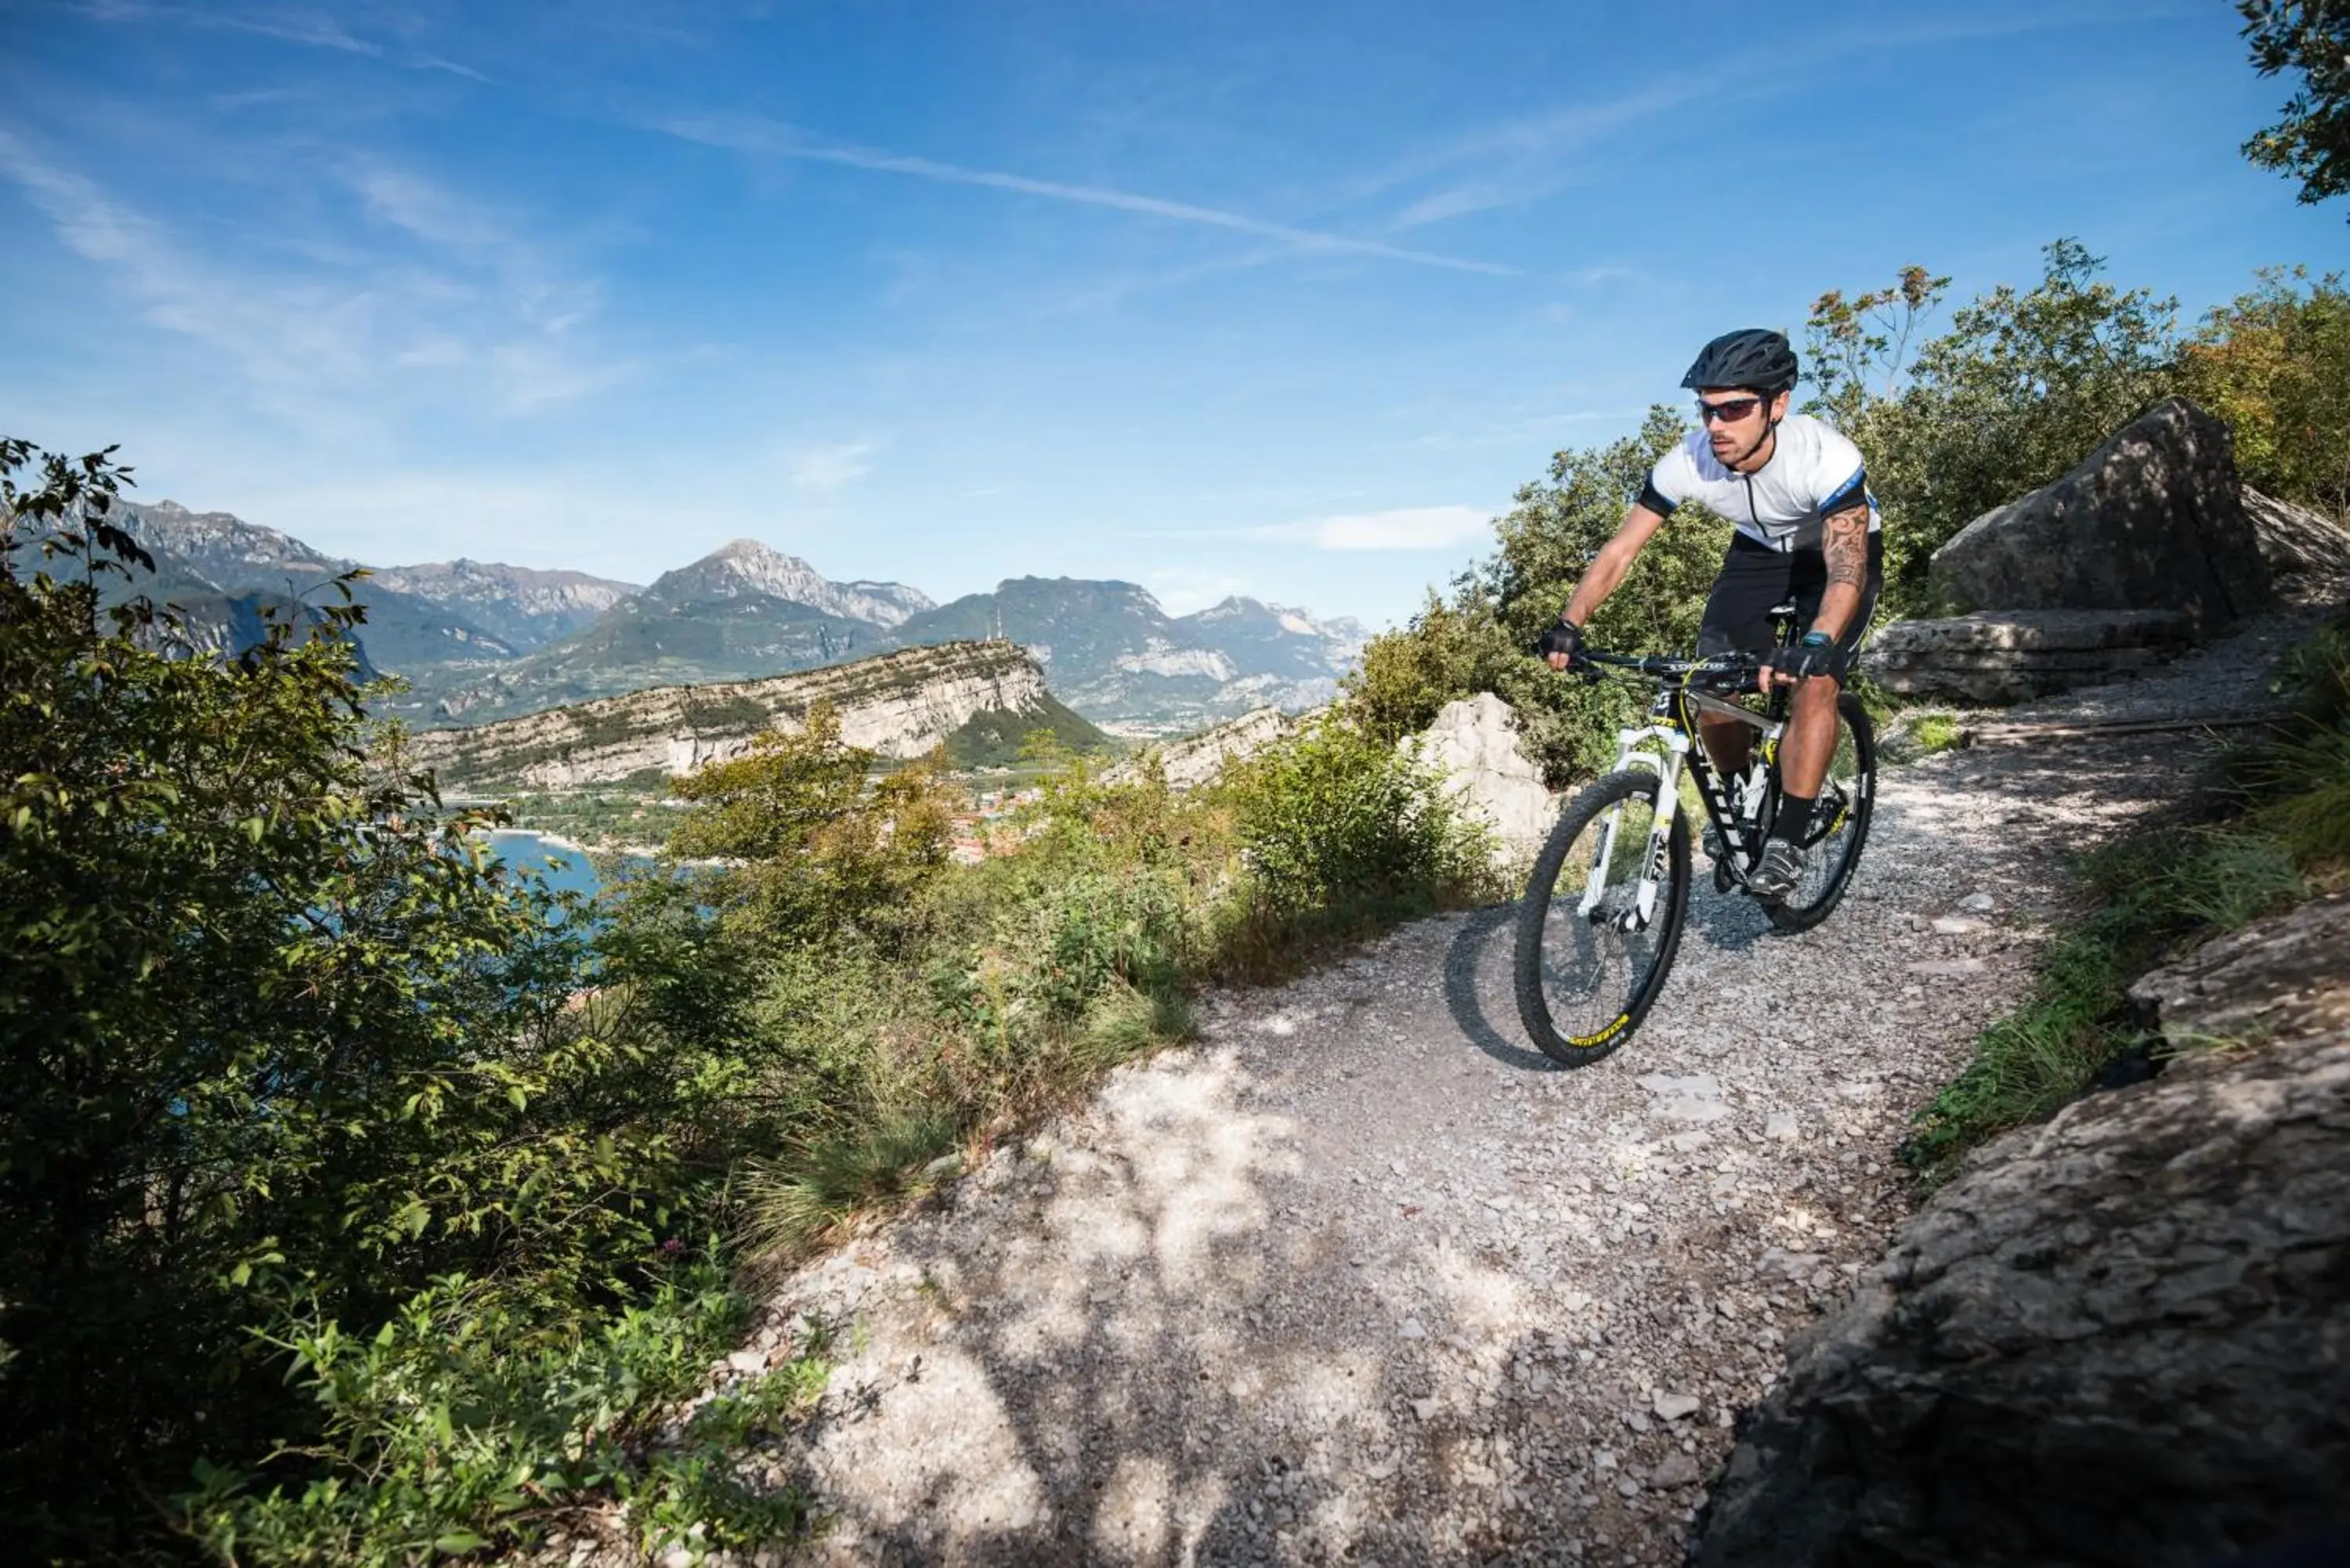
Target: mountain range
x,y
480,640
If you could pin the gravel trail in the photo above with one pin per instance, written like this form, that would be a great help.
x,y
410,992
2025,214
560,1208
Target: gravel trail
x,y
1360,1277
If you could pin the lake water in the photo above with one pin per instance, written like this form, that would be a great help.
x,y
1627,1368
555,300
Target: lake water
x,y
566,870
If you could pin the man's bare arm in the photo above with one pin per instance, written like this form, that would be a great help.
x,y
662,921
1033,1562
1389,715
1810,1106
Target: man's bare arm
x,y
1843,540
1614,558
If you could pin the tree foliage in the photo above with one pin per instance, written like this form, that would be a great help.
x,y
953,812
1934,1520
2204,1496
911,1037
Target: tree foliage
x,y
2310,140
281,1039
2275,364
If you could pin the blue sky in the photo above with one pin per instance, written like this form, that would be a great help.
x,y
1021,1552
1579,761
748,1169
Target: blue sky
x,y
1276,300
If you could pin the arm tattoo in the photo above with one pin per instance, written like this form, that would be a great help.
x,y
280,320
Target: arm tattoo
x,y
1843,540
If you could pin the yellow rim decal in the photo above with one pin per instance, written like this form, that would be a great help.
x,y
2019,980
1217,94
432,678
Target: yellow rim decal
x,y
1584,1042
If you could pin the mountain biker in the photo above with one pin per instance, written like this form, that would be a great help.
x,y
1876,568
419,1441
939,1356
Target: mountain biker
x,y
1807,528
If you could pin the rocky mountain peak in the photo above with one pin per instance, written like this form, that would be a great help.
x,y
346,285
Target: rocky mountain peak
x,y
748,567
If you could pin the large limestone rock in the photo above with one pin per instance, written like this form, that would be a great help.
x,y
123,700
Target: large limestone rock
x,y
2009,655
1475,740
2123,1339
2296,540
2153,519
2288,976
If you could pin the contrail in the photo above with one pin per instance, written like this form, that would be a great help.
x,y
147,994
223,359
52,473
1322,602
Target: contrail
x,y
761,137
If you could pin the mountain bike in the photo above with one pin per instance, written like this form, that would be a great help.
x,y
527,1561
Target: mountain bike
x,y
1604,909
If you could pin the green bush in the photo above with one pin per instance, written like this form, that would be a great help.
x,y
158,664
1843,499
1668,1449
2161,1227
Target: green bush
x,y
286,1048
2275,364
463,1422
1335,823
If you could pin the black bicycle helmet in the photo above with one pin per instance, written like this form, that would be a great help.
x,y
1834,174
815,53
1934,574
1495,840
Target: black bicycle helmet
x,y
1753,356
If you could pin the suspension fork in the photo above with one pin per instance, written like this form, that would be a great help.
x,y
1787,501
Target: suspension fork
x,y
1662,750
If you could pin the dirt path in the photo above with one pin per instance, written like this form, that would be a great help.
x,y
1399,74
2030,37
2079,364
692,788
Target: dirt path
x,y
1361,1278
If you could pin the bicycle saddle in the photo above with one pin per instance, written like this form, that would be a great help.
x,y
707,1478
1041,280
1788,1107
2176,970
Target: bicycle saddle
x,y
1785,610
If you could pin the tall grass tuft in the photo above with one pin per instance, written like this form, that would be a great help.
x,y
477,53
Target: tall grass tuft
x,y
889,1156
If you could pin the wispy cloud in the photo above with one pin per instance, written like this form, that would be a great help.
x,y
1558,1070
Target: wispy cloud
x,y
823,470
325,342
290,25
1402,528
1528,158
766,138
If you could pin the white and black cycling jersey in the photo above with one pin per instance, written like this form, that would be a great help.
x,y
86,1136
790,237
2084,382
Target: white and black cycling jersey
x,y
1814,472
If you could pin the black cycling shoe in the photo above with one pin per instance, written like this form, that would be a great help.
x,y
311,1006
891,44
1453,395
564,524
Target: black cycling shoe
x,y
1777,872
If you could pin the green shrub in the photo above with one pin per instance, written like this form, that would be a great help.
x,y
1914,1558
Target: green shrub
x,y
463,1422
2275,364
1339,830
268,1022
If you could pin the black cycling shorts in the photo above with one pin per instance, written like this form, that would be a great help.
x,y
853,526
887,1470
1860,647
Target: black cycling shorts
x,y
1754,577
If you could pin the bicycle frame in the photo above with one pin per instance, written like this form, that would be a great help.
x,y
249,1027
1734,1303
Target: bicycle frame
x,y
1665,747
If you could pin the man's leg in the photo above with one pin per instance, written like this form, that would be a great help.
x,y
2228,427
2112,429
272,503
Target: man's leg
x,y
1810,740
1729,743
1738,620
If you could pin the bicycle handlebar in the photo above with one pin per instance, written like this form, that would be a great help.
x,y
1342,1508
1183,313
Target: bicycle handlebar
x,y
1738,668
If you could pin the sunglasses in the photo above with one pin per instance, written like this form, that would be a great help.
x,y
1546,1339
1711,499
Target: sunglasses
x,y
1729,411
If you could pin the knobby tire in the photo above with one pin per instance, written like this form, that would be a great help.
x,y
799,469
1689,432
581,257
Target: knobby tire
x,y
1862,808
1537,910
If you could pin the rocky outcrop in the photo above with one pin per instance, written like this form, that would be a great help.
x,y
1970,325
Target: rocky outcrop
x,y
2009,655
2296,540
898,704
1196,759
2123,1338
1474,741
2288,976
2153,519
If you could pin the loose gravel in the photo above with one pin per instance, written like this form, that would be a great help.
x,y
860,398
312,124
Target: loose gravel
x,y
1358,1277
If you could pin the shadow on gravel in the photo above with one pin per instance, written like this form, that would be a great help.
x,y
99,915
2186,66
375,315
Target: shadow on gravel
x,y
1730,921
1078,1398
1479,951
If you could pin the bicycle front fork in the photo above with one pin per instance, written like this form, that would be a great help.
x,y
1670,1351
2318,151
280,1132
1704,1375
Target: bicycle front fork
x,y
1634,750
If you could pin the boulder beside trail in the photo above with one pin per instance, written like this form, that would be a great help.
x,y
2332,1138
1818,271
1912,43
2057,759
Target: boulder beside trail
x,y
2010,656
2122,1338
2297,540
2290,975
1474,740
2153,519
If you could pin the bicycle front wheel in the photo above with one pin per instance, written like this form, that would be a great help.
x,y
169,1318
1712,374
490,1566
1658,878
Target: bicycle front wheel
x,y
1601,919
1847,803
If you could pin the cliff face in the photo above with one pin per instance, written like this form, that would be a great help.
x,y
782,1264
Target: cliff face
x,y
897,704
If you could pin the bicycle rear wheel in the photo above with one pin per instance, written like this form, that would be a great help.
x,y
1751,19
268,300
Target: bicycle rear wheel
x,y
1585,978
1839,823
